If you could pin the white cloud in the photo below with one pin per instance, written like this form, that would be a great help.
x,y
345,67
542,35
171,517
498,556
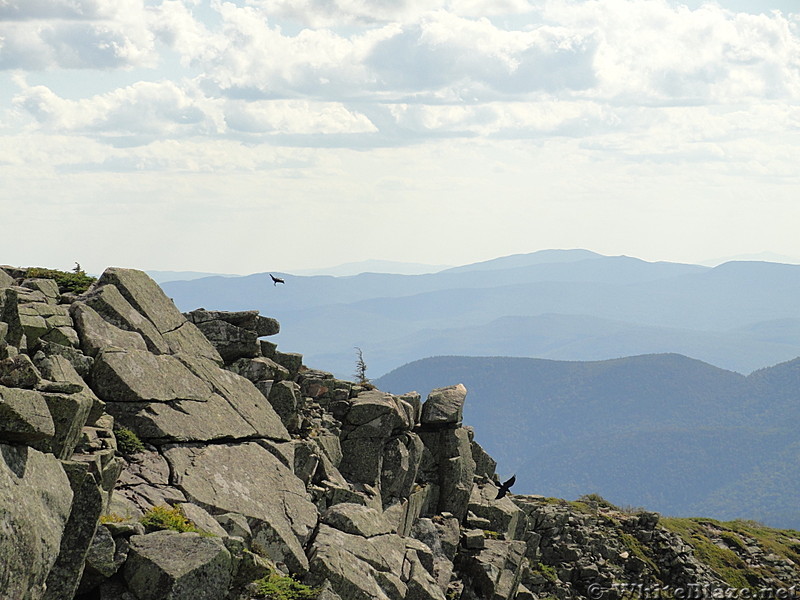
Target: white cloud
x,y
439,55
335,13
59,9
477,59
249,56
640,51
145,112
510,119
143,109
75,34
295,117
617,124
578,68
173,23
650,51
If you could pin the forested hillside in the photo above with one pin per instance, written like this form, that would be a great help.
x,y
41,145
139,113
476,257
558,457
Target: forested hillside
x,y
663,431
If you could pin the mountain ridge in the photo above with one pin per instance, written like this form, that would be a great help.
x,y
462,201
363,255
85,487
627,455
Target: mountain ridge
x,y
707,310
695,413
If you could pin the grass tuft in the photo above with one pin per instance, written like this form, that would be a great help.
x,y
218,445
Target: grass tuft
x,y
165,517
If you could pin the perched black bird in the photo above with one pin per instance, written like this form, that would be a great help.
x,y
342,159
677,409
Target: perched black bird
x,y
504,487
276,280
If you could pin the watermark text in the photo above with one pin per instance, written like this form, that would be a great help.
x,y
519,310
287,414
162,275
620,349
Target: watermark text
x,y
692,591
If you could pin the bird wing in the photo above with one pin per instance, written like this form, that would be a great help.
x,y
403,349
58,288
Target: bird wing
x,y
510,482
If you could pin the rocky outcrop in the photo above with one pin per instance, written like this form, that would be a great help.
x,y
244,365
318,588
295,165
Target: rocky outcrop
x,y
165,564
24,416
444,407
121,416
87,506
36,500
150,303
233,478
234,334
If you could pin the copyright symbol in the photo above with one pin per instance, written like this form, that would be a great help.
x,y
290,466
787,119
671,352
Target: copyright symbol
x,y
594,592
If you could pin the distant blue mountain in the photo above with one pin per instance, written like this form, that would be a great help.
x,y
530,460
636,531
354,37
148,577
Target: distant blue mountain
x,y
164,276
374,266
585,338
566,304
526,260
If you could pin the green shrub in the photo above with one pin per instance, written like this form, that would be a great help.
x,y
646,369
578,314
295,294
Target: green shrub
x,y
75,282
492,535
637,549
598,500
280,587
164,517
549,571
731,568
128,442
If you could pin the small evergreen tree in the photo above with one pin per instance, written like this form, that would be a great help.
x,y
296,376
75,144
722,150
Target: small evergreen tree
x,y
361,368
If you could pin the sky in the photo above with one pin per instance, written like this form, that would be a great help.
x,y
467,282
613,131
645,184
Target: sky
x,y
252,135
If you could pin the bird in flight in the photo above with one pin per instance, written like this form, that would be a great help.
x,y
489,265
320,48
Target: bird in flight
x,y
276,280
504,487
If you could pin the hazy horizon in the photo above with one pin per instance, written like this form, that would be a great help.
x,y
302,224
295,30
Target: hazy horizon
x,y
385,266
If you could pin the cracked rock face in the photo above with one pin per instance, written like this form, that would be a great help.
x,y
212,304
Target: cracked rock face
x,y
24,416
233,477
139,376
110,304
496,571
95,333
182,398
36,498
149,300
234,334
166,565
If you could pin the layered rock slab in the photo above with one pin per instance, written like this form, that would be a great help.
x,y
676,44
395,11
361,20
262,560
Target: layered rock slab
x,y
95,333
241,394
369,421
248,479
357,519
114,308
35,504
182,398
234,334
496,571
166,565
359,568
503,515
139,376
87,505
381,567
24,416
149,300
448,464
